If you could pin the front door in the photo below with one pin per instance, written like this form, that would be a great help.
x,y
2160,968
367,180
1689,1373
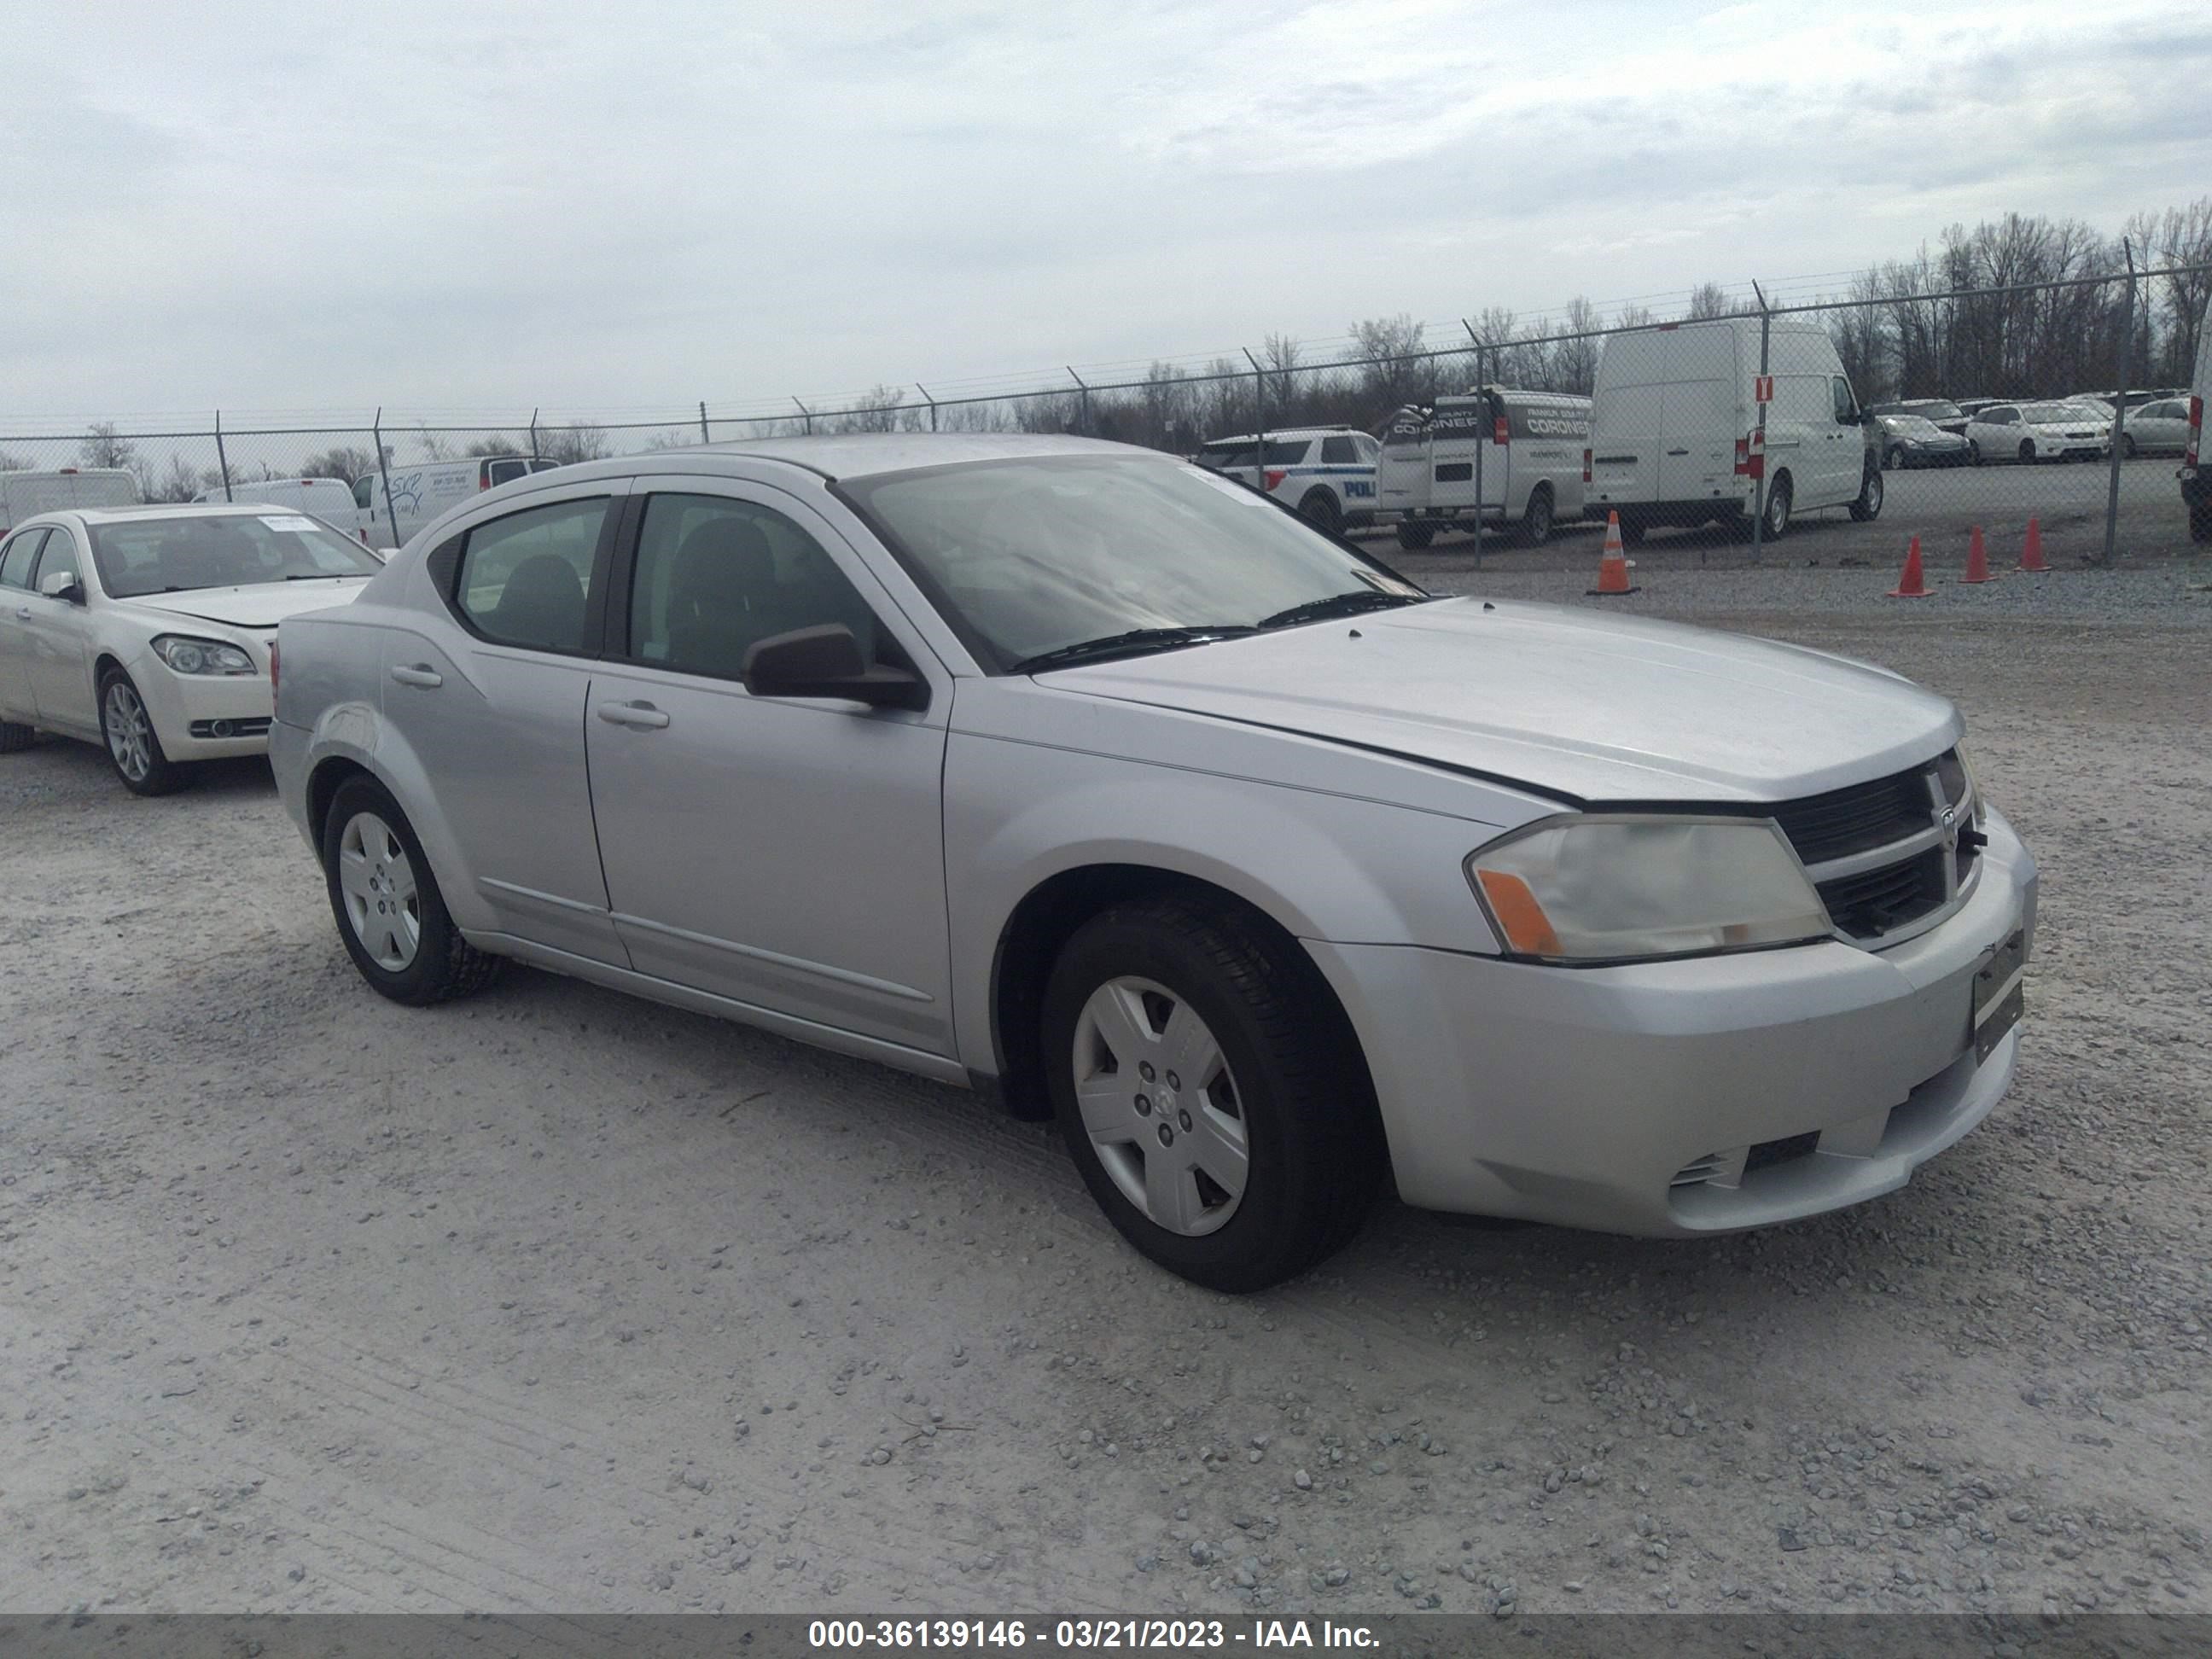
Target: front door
x,y
785,853
61,680
17,556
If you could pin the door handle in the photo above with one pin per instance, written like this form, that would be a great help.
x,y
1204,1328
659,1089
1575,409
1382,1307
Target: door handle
x,y
420,674
1678,452
642,715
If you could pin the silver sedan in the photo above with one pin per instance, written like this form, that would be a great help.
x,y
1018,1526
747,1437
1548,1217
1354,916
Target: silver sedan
x,y
1083,776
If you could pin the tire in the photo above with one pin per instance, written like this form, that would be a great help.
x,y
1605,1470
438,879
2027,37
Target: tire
x,y
1894,460
1414,537
2128,450
2200,523
1778,495
1536,521
14,738
1973,452
1319,509
2027,450
1868,507
1283,1091
134,747
402,940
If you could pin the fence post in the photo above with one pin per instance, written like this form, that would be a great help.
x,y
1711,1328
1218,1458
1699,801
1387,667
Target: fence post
x,y
221,460
533,434
383,471
2120,406
931,401
808,413
704,437
1758,439
1084,400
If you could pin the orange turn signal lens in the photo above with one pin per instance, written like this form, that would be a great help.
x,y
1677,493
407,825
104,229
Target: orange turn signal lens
x,y
1528,930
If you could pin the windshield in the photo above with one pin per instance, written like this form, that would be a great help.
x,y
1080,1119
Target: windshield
x,y
2056,414
1916,426
1933,411
1242,452
169,556
1032,556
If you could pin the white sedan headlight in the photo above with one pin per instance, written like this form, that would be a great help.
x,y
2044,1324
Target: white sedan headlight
x,y
187,655
1606,888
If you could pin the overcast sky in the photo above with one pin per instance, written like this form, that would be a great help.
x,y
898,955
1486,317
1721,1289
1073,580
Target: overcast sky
x,y
597,207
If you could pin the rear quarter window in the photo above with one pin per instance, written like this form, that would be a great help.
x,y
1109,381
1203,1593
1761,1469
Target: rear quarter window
x,y
525,580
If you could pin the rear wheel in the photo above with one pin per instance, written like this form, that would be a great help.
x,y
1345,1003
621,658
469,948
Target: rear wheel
x,y
1414,537
132,742
14,737
389,910
1536,522
1974,451
1777,508
1893,460
1210,1092
1869,505
2028,449
2127,446
1320,508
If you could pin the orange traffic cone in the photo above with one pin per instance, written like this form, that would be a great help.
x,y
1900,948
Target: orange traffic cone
x,y
1977,560
2031,550
1612,563
1910,586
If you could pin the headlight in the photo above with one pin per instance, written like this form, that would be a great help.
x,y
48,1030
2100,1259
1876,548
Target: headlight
x,y
1598,887
187,655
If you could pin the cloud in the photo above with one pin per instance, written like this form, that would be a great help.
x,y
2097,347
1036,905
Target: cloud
x,y
563,203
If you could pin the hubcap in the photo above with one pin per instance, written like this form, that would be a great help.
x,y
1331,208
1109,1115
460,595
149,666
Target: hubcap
x,y
129,733
377,882
1162,1112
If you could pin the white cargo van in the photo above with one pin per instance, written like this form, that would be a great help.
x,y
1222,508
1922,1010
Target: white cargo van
x,y
25,492
1509,456
330,500
2196,476
1674,435
423,491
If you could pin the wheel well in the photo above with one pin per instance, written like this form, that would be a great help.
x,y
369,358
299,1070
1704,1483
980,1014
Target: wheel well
x,y
102,664
1048,918
1319,492
1543,489
323,787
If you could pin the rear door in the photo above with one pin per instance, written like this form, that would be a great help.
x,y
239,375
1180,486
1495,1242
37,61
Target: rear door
x,y
17,554
1627,418
490,696
1701,415
1402,474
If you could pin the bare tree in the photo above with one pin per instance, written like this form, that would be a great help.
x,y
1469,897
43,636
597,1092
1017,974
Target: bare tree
x,y
180,483
103,446
496,444
878,410
1573,362
568,444
1394,370
344,462
435,446
10,462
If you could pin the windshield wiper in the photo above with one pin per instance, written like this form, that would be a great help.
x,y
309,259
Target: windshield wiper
x,y
1134,643
1342,604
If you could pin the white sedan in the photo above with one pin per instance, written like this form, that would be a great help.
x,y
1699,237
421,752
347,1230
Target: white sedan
x,y
2037,432
149,630
2159,427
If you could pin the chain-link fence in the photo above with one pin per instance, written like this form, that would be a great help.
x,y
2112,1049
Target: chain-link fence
x,y
2016,413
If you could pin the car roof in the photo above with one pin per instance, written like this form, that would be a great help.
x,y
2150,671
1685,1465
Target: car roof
x,y
167,510
1278,432
853,454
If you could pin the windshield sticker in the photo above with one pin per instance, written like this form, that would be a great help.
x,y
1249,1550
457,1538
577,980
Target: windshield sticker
x,y
291,521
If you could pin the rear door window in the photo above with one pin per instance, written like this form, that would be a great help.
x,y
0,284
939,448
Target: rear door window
x,y
16,558
1338,452
501,472
526,578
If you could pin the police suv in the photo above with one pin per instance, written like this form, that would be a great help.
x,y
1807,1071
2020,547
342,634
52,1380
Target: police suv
x,y
1326,472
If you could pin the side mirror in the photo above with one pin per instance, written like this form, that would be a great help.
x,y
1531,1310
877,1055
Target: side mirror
x,y
826,662
62,585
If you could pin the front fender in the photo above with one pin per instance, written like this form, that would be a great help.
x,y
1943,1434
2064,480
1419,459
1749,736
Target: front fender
x,y
1323,866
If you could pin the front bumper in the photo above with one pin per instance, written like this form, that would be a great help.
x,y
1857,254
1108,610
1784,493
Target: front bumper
x,y
189,710
1810,1077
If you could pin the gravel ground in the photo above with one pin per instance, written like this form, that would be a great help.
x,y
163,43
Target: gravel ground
x,y
558,1301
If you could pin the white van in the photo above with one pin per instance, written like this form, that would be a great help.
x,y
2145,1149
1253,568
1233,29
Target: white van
x,y
330,500
2196,476
1674,434
25,492
422,491
1515,457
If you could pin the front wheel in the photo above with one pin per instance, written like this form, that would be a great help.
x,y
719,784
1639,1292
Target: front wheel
x,y
1974,451
389,910
1893,460
1869,504
2028,449
132,742
2128,449
1210,1092
1414,537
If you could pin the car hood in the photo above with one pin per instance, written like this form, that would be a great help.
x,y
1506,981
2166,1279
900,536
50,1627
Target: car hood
x,y
261,605
1583,707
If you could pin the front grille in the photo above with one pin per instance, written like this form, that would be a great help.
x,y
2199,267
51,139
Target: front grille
x,y
1853,820
1881,900
1880,854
